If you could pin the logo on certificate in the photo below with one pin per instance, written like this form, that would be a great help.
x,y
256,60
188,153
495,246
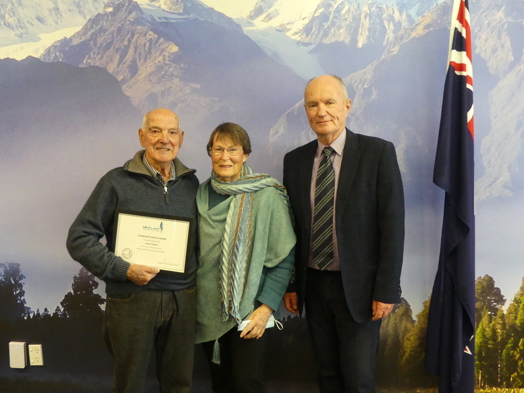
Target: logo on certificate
x,y
159,228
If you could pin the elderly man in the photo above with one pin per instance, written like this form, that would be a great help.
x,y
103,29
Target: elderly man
x,y
347,196
147,308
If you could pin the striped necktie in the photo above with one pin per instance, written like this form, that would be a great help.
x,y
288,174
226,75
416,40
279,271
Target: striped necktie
x,y
322,237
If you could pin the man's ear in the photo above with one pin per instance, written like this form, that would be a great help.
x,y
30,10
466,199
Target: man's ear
x,y
140,137
348,105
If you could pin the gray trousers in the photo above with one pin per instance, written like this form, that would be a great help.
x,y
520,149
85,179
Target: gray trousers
x,y
137,323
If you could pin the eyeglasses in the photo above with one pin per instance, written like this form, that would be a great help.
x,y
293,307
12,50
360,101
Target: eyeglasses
x,y
232,151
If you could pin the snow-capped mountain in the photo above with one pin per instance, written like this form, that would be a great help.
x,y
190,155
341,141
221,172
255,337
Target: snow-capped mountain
x,y
23,20
319,36
338,36
158,51
304,35
255,8
207,72
408,98
286,30
28,27
325,21
168,10
201,63
499,76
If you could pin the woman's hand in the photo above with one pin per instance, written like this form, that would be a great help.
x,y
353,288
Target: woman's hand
x,y
257,326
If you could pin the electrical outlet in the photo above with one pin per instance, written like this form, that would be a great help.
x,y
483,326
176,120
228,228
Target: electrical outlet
x,y
17,354
36,356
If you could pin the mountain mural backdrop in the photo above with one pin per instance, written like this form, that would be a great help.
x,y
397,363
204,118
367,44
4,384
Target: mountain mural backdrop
x,y
72,114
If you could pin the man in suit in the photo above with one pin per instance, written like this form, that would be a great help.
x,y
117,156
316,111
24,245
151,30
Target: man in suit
x,y
349,285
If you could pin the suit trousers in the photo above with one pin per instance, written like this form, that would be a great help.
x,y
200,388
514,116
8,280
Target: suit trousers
x,y
344,350
137,323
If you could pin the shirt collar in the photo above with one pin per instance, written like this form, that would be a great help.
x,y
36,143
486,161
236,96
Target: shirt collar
x,y
337,145
155,173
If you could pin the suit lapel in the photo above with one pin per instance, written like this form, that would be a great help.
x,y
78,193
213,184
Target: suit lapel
x,y
348,170
306,170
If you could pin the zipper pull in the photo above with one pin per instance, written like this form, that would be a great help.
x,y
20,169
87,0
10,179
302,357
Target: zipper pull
x,y
166,196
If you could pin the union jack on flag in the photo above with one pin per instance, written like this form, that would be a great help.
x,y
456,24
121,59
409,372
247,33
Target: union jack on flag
x,y
451,320
460,56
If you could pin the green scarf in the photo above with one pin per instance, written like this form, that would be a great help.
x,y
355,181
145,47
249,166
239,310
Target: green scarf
x,y
238,233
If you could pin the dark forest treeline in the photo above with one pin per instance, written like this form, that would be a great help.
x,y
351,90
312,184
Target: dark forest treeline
x,y
500,337
77,360
72,338
499,342
70,335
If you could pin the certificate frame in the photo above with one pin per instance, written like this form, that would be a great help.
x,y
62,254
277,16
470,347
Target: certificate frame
x,y
150,239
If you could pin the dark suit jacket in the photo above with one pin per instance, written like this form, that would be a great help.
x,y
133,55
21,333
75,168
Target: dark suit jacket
x,y
369,220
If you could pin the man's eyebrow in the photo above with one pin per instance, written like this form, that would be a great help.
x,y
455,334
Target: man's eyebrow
x,y
160,128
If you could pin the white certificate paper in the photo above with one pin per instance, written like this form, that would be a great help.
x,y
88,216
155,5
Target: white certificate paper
x,y
152,240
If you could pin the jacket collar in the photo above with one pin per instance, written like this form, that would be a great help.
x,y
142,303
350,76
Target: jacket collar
x,y
136,165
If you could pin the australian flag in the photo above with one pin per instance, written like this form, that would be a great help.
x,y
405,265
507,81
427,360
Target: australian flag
x,y
451,324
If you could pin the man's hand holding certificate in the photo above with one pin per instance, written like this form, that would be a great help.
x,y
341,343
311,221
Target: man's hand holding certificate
x,y
140,274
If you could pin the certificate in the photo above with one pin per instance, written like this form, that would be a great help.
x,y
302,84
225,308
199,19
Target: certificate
x,y
152,239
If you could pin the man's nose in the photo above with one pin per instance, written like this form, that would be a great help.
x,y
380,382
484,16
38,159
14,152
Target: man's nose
x,y
321,110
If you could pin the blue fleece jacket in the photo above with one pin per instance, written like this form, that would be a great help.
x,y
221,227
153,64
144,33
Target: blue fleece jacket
x,y
132,187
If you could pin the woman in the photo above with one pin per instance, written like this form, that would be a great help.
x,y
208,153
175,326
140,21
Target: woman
x,y
246,259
